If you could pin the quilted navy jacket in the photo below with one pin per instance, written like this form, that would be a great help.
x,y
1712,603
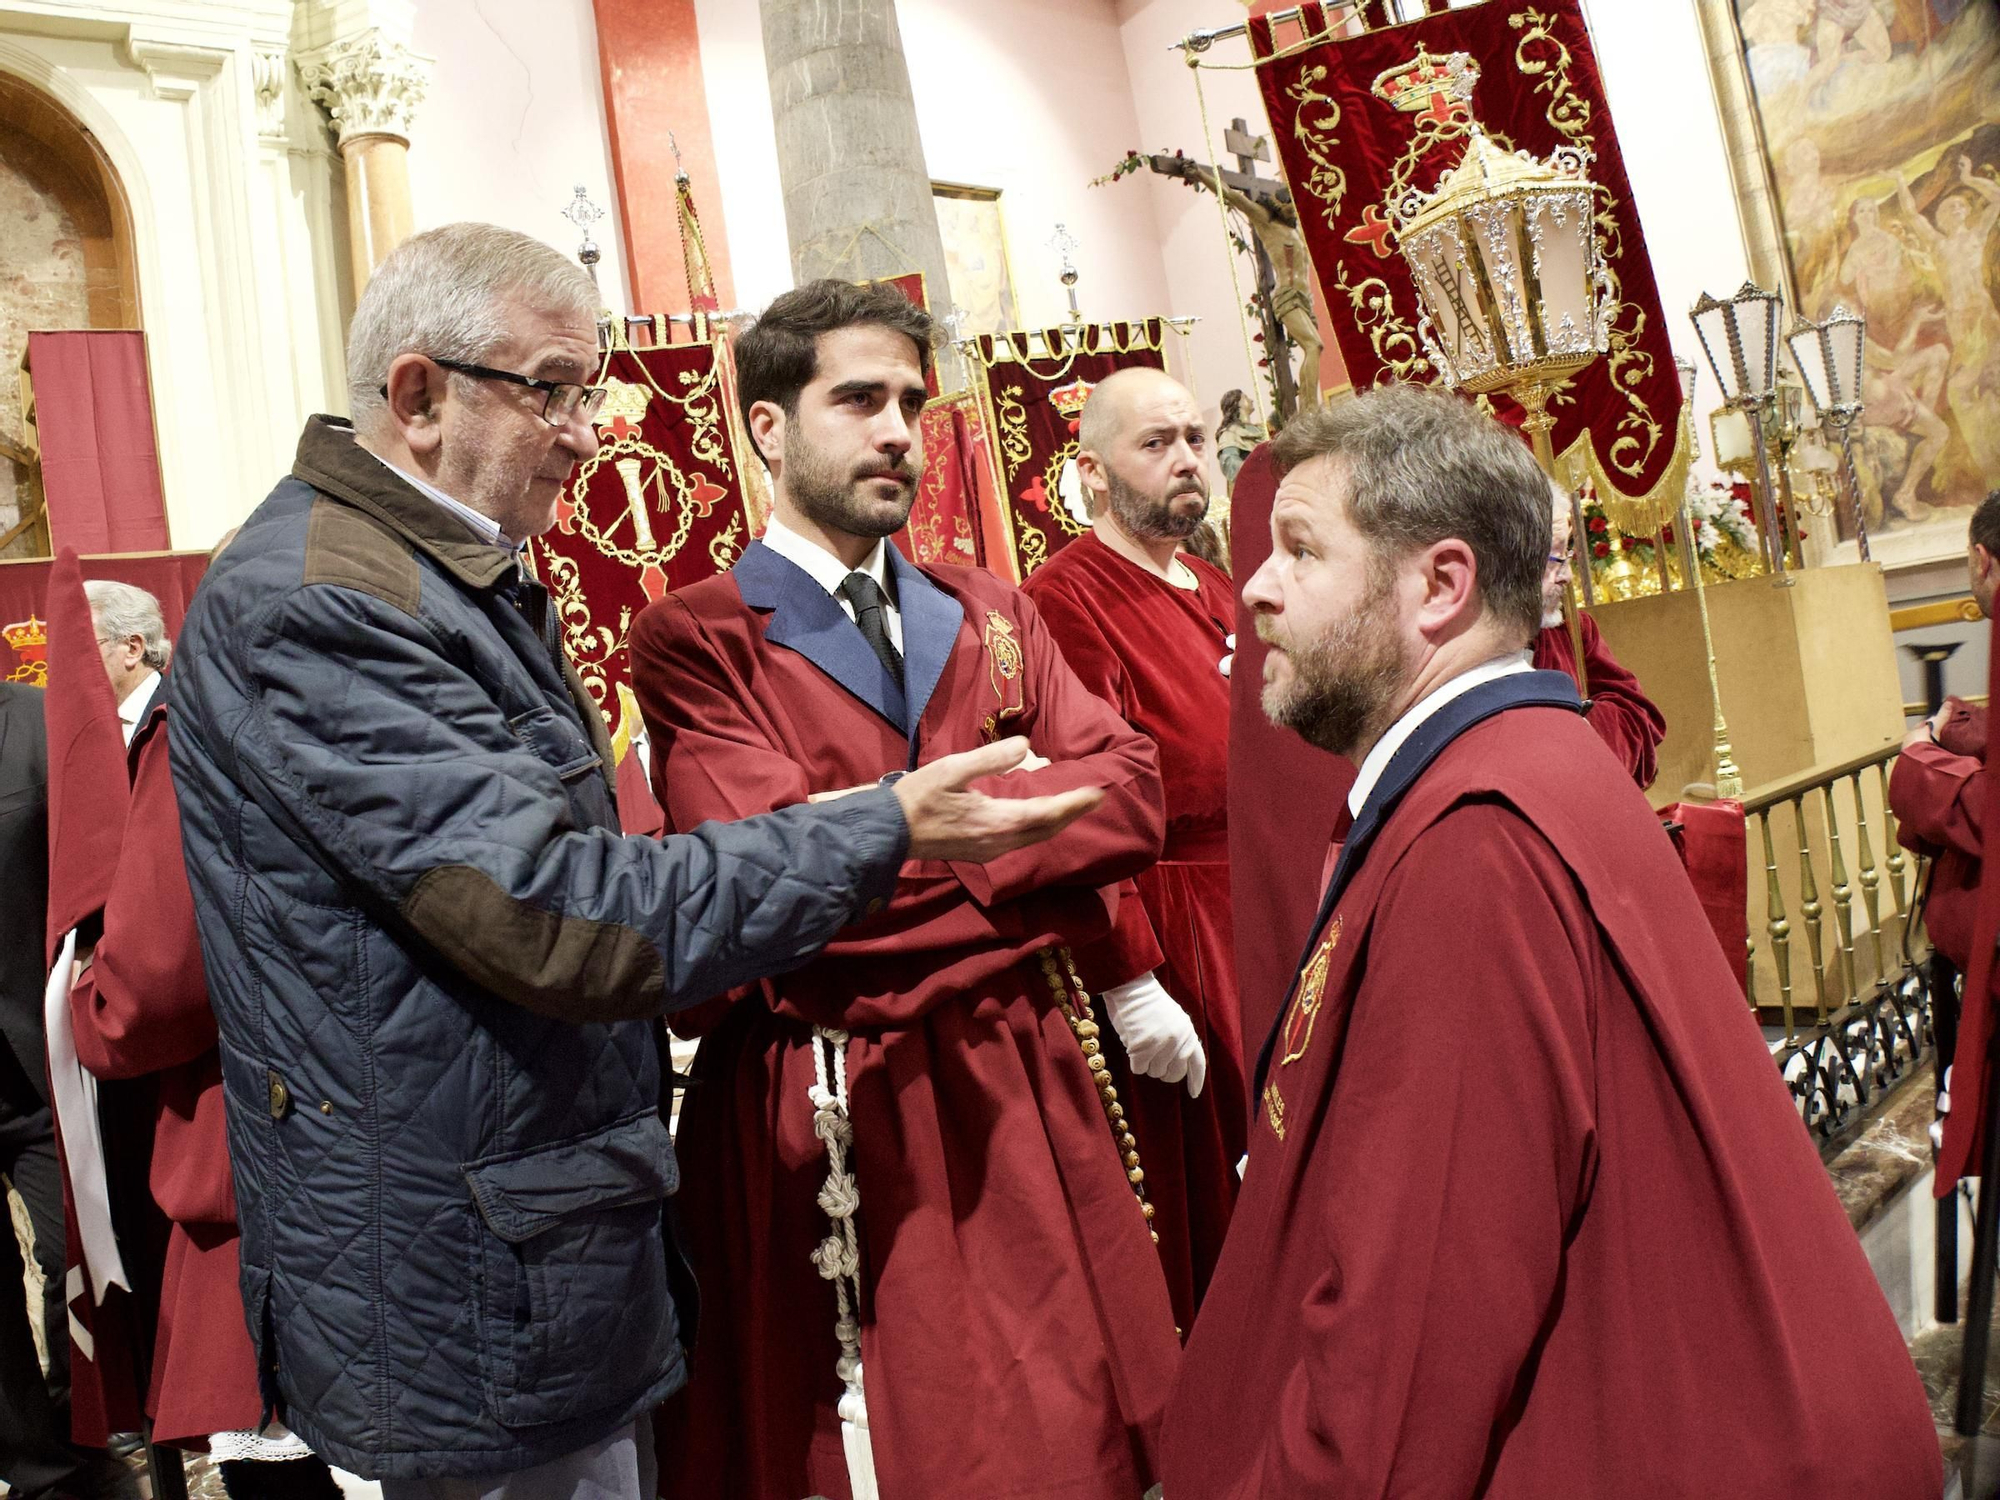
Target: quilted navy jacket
x,y
435,964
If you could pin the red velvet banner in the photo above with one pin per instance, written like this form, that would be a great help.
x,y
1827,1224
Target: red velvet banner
x,y
1360,121
660,506
1035,386
956,497
93,418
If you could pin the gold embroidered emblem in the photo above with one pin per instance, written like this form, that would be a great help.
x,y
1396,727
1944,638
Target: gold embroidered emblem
x,y
1296,1033
1005,669
1298,1029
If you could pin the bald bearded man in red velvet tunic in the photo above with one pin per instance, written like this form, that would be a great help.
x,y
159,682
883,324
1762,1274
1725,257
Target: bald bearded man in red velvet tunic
x,y
1527,1201
1147,626
908,1115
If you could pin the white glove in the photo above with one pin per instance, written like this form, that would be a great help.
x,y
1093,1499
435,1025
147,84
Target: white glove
x,y
1230,660
1158,1034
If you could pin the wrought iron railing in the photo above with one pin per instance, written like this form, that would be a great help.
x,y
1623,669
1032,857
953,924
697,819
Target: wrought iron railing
x,y
1840,926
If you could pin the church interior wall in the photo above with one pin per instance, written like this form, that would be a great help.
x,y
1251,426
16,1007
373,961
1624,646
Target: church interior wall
x,y
513,123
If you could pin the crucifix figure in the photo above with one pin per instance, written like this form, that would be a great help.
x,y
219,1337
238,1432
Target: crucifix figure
x,y
583,213
1284,294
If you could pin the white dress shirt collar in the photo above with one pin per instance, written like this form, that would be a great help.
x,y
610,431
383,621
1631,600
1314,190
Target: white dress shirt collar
x,y
483,526
829,572
134,706
1377,760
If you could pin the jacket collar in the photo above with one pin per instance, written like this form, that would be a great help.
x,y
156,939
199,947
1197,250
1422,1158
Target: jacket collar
x,y
1425,743
807,619
332,462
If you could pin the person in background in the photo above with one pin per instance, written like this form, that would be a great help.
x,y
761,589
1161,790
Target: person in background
x,y
35,1455
132,642
1147,629
1617,708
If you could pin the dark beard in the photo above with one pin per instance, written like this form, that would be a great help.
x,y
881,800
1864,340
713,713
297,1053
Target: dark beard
x,y
1343,684
832,498
1148,519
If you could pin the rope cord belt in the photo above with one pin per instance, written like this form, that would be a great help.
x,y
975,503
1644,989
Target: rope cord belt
x,y
1060,971
839,1254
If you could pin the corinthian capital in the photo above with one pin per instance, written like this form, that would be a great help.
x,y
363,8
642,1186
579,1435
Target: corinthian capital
x,y
369,84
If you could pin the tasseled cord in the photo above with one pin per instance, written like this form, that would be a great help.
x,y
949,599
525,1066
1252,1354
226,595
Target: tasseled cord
x,y
839,1254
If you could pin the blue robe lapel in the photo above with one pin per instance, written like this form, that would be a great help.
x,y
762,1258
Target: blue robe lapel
x,y
1411,760
807,619
931,618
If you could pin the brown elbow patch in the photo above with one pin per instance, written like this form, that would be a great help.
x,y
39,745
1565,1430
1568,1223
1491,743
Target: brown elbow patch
x,y
570,968
345,546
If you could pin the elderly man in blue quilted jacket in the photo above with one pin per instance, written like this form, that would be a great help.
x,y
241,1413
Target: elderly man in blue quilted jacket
x,y
435,962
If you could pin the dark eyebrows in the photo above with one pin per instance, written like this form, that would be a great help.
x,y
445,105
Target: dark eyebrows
x,y
877,388
1170,429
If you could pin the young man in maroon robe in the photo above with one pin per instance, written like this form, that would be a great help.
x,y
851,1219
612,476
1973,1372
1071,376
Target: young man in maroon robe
x,y
1527,1201
1623,716
910,1115
1147,626
1932,790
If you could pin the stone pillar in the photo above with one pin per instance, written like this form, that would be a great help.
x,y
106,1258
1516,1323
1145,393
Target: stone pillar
x,y
857,194
371,86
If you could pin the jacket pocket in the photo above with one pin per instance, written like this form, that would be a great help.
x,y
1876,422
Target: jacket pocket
x,y
557,740
570,1272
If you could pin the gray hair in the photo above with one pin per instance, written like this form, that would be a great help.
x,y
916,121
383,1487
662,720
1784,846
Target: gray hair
x,y
1423,466
442,293
122,610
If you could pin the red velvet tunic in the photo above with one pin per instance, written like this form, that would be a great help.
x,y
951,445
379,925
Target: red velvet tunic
x,y
1621,713
141,1011
1542,1220
1938,806
1016,1332
1154,652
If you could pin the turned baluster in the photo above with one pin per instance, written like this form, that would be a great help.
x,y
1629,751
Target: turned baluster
x,y
1843,894
1871,879
1779,928
1809,907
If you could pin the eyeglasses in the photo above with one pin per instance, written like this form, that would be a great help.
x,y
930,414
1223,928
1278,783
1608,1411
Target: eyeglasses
x,y
562,399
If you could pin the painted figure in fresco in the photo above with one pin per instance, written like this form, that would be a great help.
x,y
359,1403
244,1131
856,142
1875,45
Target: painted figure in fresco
x,y
1958,245
1843,28
1900,387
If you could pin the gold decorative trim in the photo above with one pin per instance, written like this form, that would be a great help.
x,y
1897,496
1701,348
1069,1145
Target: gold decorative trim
x,y
1964,610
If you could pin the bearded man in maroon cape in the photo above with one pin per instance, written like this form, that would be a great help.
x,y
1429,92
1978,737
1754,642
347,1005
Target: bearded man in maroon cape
x,y
1147,626
1527,1200
917,1114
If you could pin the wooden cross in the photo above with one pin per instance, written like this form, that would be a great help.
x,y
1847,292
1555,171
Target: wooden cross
x,y
1248,149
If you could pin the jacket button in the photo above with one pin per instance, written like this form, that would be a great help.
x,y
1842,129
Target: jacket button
x,y
876,905
281,1097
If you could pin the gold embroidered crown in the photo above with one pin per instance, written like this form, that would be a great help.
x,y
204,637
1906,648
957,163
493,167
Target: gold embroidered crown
x,y
28,635
1069,399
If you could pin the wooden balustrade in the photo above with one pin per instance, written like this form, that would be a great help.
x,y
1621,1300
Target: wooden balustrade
x,y
1866,1021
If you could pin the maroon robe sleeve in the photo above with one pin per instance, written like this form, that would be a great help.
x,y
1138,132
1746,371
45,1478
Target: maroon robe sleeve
x,y
1464,1119
1623,716
711,759
1935,799
1132,947
141,1006
1088,745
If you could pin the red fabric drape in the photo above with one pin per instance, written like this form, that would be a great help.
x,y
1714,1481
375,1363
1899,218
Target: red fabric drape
x,y
948,522
1963,1127
94,423
1711,845
1350,153
1034,403
660,506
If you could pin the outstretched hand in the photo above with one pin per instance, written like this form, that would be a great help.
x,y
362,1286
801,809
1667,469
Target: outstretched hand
x,y
950,821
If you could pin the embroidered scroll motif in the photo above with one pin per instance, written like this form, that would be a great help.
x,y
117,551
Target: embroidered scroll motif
x,y
1295,1034
1005,669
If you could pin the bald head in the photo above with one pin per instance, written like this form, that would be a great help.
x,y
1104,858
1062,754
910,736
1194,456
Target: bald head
x,y
1143,453
1118,397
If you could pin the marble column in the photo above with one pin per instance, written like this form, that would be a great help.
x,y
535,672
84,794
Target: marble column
x,y
857,194
371,86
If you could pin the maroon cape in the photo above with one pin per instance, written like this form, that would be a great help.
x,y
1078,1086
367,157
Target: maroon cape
x,y
1284,794
1540,1217
1623,716
1937,800
1154,653
1015,1329
140,1011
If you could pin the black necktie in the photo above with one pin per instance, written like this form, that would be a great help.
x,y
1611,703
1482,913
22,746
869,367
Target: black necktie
x,y
871,613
